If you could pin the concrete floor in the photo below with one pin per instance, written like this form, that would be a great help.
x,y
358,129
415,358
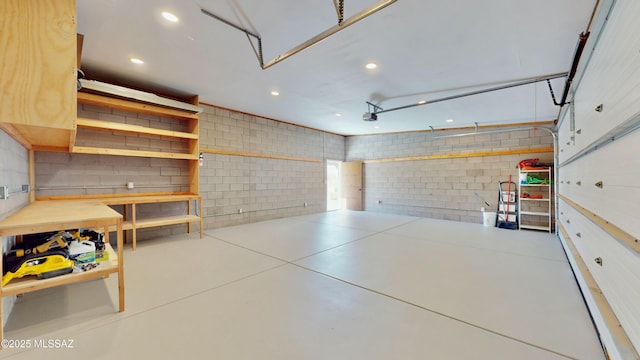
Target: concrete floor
x,y
339,285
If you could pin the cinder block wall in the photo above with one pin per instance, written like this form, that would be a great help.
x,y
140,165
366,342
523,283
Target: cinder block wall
x,y
264,188
14,172
440,188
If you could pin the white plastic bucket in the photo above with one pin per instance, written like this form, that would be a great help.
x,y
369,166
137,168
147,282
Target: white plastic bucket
x,y
488,218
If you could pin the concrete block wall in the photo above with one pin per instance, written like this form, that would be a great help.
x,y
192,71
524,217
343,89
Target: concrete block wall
x,y
440,188
63,174
386,146
264,188
14,172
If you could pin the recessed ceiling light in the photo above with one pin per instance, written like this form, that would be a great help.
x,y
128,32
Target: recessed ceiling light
x,y
169,16
338,114
421,102
371,66
136,61
449,120
275,93
376,127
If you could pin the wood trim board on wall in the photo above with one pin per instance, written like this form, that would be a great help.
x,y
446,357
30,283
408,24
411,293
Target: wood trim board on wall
x,y
622,236
608,316
258,155
462,155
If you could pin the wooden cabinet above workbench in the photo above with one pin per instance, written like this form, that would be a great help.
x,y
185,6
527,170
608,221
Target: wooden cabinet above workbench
x,y
38,71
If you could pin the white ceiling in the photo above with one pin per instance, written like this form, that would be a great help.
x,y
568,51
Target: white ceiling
x,y
425,50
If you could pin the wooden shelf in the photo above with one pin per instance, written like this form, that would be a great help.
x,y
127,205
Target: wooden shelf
x,y
542,170
535,213
110,199
159,221
133,106
133,223
135,129
535,227
144,199
138,153
166,220
182,143
30,283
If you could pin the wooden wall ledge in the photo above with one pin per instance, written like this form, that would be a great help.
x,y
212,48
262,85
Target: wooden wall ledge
x,y
127,105
461,155
258,155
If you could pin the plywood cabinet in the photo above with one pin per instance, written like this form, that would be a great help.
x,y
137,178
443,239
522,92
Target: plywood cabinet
x,y
38,71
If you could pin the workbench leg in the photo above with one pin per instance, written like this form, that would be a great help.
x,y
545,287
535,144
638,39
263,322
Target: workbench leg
x,y
120,266
189,213
126,217
133,222
105,235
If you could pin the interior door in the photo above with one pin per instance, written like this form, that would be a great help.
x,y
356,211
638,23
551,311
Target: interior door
x,y
334,183
352,185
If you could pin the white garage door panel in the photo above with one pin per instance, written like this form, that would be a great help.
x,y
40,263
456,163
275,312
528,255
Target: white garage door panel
x,y
565,150
620,104
617,166
605,335
619,275
612,77
563,187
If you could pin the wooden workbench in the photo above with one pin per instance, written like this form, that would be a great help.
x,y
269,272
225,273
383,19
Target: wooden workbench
x,y
130,203
43,216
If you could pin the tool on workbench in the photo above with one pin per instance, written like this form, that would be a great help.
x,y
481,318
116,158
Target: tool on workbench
x,y
49,259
